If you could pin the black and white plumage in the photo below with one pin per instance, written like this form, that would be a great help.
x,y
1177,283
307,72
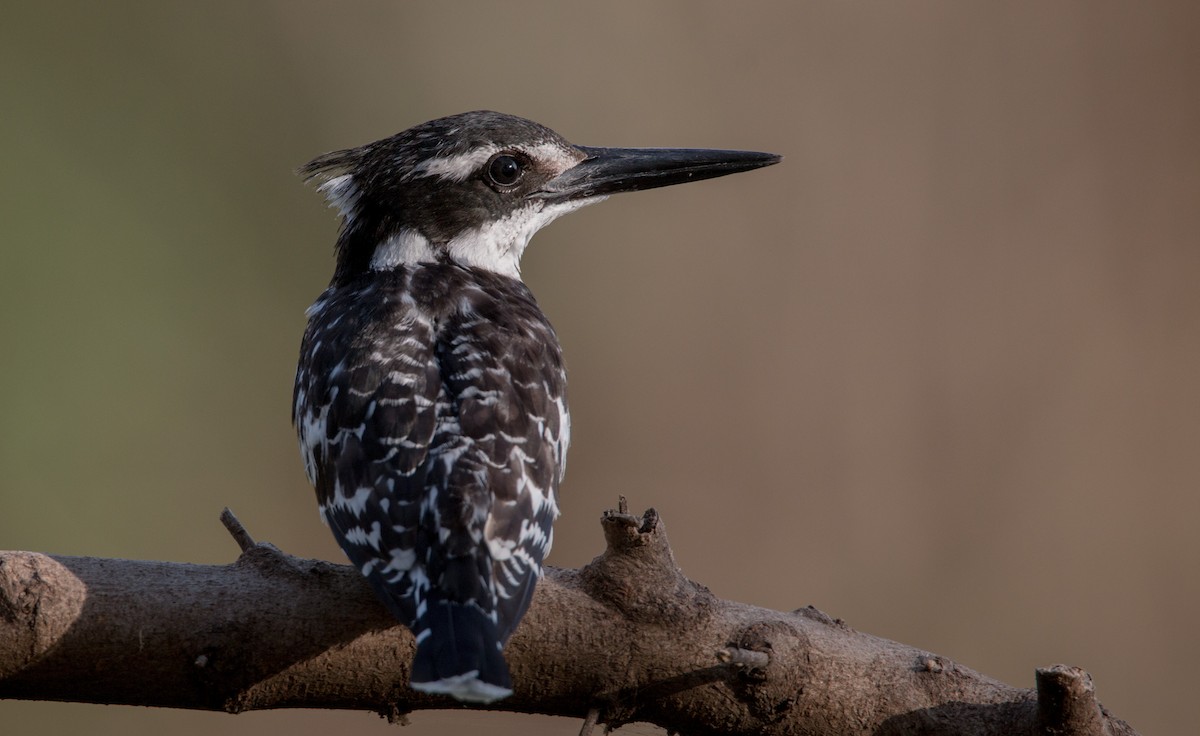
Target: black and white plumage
x,y
430,397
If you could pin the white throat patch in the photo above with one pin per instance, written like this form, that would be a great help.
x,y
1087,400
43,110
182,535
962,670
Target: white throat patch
x,y
496,246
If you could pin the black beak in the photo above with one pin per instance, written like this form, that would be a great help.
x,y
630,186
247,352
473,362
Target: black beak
x,y
612,170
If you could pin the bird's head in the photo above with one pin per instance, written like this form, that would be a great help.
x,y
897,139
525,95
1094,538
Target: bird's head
x,y
473,188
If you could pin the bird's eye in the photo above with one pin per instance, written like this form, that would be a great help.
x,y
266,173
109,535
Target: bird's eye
x,y
505,170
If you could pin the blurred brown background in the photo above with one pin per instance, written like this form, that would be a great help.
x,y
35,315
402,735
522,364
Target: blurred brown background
x,y
937,374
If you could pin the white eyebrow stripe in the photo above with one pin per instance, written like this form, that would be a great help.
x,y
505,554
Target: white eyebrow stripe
x,y
460,167
457,167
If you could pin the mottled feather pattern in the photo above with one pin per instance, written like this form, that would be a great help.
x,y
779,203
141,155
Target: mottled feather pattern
x,y
431,407
431,397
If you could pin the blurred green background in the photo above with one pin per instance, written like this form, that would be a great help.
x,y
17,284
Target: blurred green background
x,y
937,374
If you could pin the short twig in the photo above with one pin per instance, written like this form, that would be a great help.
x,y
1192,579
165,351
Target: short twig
x,y
1067,702
593,716
622,505
743,658
236,530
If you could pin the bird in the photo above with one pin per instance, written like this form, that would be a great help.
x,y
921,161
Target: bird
x,y
430,398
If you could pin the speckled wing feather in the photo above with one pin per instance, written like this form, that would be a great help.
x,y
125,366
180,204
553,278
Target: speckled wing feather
x,y
364,408
435,430
503,367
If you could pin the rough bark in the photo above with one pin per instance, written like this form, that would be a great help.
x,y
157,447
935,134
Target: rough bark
x,y
625,638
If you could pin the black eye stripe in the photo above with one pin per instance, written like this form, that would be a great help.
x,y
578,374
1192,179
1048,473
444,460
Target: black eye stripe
x,y
505,169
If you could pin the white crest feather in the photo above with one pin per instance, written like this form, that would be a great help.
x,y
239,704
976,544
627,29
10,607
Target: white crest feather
x,y
342,193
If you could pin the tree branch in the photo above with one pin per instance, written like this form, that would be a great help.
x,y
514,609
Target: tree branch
x,y
626,638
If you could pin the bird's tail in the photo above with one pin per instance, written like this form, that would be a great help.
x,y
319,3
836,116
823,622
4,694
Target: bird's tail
x,y
458,653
